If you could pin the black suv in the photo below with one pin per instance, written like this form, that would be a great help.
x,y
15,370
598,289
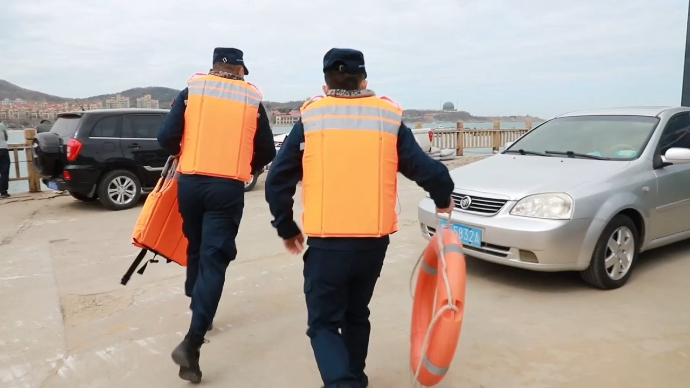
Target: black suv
x,y
110,155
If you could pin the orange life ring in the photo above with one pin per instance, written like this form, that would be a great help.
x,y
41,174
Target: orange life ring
x,y
432,298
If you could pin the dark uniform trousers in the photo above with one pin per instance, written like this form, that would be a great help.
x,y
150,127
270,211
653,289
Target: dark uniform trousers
x,y
211,210
4,170
338,285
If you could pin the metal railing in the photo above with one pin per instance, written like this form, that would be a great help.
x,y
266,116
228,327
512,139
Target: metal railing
x,y
460,138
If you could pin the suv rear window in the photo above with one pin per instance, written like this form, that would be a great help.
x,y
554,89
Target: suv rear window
x,y
66,126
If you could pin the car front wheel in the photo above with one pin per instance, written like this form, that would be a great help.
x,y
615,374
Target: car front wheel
x,y
615,255
119,190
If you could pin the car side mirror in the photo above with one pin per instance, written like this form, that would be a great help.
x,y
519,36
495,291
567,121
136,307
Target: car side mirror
x,y
677,156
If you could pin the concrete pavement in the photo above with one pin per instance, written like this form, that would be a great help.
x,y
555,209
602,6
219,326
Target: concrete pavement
x,y
67,322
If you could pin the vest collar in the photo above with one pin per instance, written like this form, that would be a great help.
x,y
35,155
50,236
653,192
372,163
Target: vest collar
x,y
350,93
224,74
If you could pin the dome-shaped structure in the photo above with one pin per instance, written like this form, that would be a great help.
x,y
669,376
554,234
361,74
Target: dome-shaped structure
x,y
448,106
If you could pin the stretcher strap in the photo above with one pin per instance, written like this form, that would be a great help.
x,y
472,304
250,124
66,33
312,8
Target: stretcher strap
x,y
143,267
133,267
135,264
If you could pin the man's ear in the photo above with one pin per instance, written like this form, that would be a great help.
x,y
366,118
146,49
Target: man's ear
x,y
365,83
325,89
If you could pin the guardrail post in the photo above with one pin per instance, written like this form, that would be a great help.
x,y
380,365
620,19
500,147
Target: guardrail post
x,y
460,126
417,125
528,125
496,136
34,178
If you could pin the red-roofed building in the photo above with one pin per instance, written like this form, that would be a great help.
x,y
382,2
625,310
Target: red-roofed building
x,y
287,118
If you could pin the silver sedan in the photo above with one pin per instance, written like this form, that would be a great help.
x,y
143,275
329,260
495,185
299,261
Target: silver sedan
x,y
585,191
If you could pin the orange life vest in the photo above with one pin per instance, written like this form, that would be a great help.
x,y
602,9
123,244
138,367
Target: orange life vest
x,y
350,163
220,123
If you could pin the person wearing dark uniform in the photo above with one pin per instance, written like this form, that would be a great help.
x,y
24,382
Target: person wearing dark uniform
x,y
347,150
221,132
5,162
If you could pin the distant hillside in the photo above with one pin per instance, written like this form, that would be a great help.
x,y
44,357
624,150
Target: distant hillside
x,y
284,107
453,116
12,91
163,95
166,95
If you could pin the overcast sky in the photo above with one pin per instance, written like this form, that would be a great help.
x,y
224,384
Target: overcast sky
x,y
539,57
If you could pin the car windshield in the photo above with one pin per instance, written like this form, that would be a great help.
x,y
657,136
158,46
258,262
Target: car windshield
x,y
66,127
592,137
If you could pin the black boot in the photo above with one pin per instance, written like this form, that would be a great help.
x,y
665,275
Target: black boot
x,y
186,355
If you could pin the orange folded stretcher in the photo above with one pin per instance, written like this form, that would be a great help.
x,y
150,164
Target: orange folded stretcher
x,y
159,227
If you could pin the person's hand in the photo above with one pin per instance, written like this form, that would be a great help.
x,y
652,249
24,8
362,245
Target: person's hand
x,y
295,245
447,210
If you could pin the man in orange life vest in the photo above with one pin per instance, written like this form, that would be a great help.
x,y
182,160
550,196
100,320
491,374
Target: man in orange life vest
x,y
347,149
225,137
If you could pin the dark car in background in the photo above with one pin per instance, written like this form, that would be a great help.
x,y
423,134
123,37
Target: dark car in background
x,y
110,155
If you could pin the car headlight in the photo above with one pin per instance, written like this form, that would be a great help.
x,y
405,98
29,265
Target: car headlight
x,y
553,206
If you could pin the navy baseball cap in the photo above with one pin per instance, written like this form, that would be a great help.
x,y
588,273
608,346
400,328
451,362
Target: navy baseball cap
x,y
344,60
230,55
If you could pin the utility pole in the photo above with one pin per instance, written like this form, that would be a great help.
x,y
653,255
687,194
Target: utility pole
x,y
685,98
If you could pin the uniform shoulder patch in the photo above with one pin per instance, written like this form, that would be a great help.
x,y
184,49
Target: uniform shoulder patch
x,y
311,100
390,101
255,87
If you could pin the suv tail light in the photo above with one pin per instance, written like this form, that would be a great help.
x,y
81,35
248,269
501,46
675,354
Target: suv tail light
x,y
73,149
431,136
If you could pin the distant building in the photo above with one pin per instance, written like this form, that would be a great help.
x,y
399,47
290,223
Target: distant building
x,y
95,105
19,101
288,118
117,102
37,111
6,102
448,107
147,102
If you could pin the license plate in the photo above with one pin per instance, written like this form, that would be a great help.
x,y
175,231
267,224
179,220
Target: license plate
x,y
468,236
52,185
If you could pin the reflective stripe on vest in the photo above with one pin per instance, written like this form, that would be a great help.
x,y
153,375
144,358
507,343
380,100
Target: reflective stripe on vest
x,y
350,163
220,123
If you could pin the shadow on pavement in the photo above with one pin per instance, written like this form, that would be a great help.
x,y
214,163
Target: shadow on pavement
x,y
663,256
96,205
561,282
524,279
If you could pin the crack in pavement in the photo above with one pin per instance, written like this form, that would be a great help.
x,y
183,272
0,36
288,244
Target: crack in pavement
x,y
6,240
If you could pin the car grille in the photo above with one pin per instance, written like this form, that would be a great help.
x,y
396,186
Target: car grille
x,y
479,205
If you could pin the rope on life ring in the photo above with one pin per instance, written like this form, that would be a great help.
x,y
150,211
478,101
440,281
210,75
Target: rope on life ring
x,y
436,328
